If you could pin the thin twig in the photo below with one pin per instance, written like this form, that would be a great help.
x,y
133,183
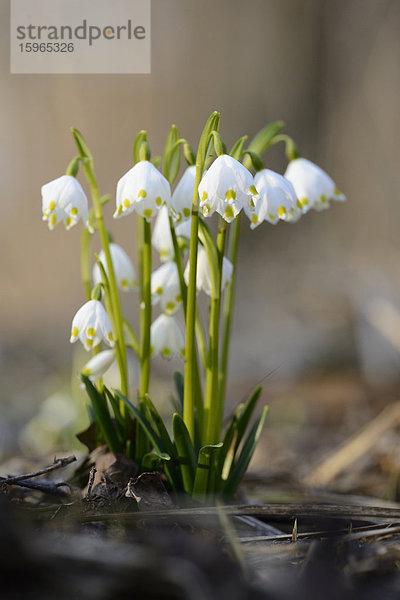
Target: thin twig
x,y
92,475
59,463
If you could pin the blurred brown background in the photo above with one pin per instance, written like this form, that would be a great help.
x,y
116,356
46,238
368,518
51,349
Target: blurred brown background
x,y
321,294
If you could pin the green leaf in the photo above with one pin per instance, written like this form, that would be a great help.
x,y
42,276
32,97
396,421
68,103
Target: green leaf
x,y
203,482
179,385
262,140
142,135
172,155
185,450
156,160
81,144
245,416
255,160
245,456
227,449
237,148
73,167
121,423
159,426
172,473
206,141
219,144
102,415
151,461
189,154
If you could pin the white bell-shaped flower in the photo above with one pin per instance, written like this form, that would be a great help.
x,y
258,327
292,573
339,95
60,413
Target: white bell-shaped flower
x,y
143,189
276,199
123,268
91,325
165,287
98,365
203,274
225,188
161,237
314,187
166,337
63,199
182,197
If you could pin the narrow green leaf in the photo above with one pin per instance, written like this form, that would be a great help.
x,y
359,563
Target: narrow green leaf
x,y
142,135
172,473
102,415
121,423
245,416
185,450
245,456
179,385
156,160
159,426
206,141
204,471
81,144
189,154
229,440
73,167
237,148
255,158
172,155
262,140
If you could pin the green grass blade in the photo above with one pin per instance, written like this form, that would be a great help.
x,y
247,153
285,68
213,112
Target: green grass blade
x,y
204,471
159,426
245,416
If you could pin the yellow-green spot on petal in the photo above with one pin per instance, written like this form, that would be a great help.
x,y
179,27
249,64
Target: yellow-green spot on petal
x,y
230,195
303,202
142,194
159,290
204,196
75,331
110,336
254,219
124,283
324,199
74,211
163,253
229,212
281,210
127,203
53,220
337,192
272,217
252,203
90,332
120,210
89,343
158,201
186,212
68,221
178,298
86,371
52,205
253,190
147,213
165,352
170,305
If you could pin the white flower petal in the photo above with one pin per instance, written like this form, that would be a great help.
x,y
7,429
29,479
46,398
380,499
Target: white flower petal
x,y
165,287
182,198
161,238
98,365
166,337
91,325
123,267
63,199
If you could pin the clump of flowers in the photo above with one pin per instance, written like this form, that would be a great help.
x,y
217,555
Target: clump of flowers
x,y
200,458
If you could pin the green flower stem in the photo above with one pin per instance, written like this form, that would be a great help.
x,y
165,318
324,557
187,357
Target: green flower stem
x,y
190,348
198,327
234,236
116,315
85,263
213,406
145,305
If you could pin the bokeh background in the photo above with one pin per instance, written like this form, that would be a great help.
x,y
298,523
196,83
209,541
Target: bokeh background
x,y
318,297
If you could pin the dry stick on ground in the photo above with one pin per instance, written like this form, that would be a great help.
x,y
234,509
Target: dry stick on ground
x,y
355,447
59,463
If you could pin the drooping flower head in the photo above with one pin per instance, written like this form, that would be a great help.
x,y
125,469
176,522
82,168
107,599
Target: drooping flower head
x,y
203,274
161,237
165,287
225,188
166,337
123,268
91,325
182,197
276,199
98,365
314,187
63,199
143,189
